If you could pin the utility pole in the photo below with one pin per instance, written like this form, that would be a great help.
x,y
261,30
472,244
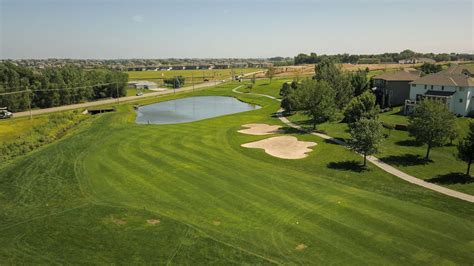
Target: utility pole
x,y
29,102
192,78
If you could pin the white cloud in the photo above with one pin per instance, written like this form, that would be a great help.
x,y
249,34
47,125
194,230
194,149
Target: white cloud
x,y
138,18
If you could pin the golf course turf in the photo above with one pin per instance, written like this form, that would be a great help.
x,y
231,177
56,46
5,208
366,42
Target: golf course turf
x,y
87,199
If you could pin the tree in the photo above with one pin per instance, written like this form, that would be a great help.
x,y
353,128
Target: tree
x,y
363,106
466,148
432,124
360,82
285,89
428,68
316,100
327,71
366,135
270,73
176,82
253,80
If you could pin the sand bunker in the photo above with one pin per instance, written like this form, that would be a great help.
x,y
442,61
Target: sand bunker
x,y
261,129
153,221
285,147
301,247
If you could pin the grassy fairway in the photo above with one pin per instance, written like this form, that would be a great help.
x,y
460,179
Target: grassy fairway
x,y
87,199
199,74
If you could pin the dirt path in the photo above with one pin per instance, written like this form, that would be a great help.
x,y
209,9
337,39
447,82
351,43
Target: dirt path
x,y
123,99
376,161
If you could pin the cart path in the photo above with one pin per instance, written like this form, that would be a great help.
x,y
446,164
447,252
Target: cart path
x,y
124,99
376,161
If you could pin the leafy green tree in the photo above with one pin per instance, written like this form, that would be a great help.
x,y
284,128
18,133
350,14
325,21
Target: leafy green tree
x,y
466,148
366,135
253,80
360,82
327,71
363,106
316,100
285,89
432,124
428,68
270,73
176,82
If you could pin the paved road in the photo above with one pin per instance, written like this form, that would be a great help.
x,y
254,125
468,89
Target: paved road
x,y
377,162
123,99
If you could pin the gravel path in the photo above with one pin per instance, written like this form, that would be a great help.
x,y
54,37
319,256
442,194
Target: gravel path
x,y
376,161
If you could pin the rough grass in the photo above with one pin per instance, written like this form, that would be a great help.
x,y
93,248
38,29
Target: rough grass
x,y
11,129
87,198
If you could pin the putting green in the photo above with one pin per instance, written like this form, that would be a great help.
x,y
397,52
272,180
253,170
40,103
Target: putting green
x,y
89,198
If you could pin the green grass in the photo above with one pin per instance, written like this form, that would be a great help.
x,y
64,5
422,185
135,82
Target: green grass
x,y
11,129
65,202
199,75
400,150
133,91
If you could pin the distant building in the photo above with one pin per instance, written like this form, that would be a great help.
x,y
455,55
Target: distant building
x,y
453,86
415,60
392,89
142,84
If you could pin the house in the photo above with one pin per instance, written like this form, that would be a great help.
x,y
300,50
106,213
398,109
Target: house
x,y
453,86
416,60
392,89
143,84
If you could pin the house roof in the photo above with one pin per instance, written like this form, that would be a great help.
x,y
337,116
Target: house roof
x,y
455,75
440,93
408,74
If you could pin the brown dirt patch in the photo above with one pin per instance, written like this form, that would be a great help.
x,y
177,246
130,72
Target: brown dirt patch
x,y
261,129
119,221
285,147
301,247
216,223
153,221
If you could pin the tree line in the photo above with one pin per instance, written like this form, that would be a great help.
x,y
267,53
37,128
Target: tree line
x,y
21,86
314,58
332,94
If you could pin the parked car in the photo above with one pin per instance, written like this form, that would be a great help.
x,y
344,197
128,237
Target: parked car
x,y
4,114
139,94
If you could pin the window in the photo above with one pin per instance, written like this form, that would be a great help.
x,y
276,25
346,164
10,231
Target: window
x,y
460,100
442,88
426,86
413,85
431,86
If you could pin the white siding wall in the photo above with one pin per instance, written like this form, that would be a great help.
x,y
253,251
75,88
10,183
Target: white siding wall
x,y
465,93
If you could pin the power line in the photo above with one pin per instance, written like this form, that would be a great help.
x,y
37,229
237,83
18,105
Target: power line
x,y
60,89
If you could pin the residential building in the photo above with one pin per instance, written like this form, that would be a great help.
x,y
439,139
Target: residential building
x,y
392,89
416,60
143,84
453,86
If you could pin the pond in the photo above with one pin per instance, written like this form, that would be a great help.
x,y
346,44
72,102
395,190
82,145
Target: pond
x,y
190,109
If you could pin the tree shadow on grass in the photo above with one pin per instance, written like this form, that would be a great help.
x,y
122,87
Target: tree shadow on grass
x,y
405,160
409,143
291,130
452,178
353,166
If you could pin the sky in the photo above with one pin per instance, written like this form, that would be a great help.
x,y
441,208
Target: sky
x,y
109,29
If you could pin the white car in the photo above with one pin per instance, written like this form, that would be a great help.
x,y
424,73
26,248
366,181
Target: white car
x,y
4,114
